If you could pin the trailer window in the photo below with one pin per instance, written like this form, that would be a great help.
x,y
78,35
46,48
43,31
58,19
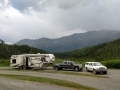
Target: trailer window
x,y
14,61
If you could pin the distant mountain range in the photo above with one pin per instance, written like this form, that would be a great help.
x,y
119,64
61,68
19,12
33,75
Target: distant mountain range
x,y
102,52
72,42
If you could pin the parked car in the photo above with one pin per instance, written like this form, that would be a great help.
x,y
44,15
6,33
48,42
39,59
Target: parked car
x,y
95,67
68,65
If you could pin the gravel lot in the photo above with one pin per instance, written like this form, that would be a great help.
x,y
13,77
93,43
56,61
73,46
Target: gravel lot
x,y
11,84
111,83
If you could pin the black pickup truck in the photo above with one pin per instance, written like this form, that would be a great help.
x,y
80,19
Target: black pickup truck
x,y
68,65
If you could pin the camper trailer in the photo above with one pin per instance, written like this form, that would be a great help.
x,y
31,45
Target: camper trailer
x,y
31,61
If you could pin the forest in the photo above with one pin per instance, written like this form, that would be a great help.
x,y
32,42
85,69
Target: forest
x,y
101,52
7,50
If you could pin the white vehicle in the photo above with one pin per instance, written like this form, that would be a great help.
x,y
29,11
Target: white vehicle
x,y
95,67
26,61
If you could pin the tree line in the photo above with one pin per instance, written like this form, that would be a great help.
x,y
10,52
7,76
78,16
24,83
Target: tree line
x,y
7,50
101,52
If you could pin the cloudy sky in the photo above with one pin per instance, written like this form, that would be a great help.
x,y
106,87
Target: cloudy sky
x,y
33,19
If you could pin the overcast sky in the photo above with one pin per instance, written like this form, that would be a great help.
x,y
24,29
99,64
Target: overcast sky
x,y
33,19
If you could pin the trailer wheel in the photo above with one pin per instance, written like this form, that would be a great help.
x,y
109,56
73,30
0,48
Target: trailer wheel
x,y
20,67
56,68
24,67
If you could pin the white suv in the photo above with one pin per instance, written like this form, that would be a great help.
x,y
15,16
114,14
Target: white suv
x,y
95,67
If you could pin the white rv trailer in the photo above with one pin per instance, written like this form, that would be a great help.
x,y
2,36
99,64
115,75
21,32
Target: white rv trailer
x,y
25,61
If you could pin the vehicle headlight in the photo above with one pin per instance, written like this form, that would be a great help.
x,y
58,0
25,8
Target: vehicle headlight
x,y
105,67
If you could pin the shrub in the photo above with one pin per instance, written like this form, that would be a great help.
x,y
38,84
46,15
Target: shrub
x,y
112,64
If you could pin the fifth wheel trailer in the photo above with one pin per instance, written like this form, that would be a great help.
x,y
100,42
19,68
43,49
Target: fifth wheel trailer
x,y
27,61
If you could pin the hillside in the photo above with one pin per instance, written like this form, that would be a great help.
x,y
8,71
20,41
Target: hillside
x,y
72,42
101,52
7,50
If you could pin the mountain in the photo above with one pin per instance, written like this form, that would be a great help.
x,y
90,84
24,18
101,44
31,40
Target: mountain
x,y
72,42
101,52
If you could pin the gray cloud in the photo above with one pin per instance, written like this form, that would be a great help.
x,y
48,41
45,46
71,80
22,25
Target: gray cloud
x,y
90,15
67,4
56,18
25,6
2,1
2,4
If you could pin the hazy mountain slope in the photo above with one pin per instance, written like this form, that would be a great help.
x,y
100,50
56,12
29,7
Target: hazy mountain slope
x,y
101,52
73,42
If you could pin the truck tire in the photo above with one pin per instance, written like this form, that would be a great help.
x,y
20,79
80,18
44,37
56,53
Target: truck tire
x,y
81,69
87,69
105,72
94,72
56,68
60,69
76,69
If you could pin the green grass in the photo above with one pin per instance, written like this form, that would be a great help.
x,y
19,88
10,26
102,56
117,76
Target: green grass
x,y
112,64
73,73
58,82
4,62
60,72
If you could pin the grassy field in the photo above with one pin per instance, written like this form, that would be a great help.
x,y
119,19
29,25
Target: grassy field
x,y
4,62
112,64
73,73
109,63
51,70
58,82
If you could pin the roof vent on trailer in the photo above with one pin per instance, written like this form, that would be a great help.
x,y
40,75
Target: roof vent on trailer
x,y
38,53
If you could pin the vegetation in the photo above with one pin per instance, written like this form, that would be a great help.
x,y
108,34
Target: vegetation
x,y
49,81
66,72
101,52
112,64
73,73
4,62
7,50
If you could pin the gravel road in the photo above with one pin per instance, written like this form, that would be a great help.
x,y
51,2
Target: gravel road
x,y
111,83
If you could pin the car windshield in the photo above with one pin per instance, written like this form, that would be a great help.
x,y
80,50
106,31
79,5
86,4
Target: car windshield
x,y
97,64
73,62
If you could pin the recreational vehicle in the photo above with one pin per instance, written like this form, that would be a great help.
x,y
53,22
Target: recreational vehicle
x,y
27,61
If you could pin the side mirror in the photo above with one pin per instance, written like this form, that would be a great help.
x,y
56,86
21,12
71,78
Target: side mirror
x,y
71,63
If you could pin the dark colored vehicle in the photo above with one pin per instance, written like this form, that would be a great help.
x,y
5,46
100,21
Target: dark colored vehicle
x,y
68,65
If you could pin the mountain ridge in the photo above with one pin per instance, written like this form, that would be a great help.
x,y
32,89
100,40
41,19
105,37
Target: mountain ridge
x,y
101,52
72,42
